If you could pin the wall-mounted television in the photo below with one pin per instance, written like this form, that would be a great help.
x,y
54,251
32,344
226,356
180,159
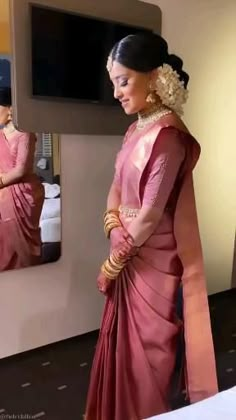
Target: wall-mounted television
x,y
69,54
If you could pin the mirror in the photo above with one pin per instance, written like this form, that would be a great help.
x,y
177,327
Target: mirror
x,y
30,203
47,168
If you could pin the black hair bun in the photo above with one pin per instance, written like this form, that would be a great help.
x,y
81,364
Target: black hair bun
x,y
177,64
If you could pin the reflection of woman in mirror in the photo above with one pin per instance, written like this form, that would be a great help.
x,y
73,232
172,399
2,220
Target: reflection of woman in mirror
x,y
21,193
155,247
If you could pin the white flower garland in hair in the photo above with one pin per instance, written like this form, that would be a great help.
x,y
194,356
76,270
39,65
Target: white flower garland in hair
x,y
170,89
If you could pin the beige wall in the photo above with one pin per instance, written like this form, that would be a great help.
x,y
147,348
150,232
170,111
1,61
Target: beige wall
x,y
45,304
4,27
203,32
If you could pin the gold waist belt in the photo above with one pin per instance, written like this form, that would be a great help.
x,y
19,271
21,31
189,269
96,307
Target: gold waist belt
x,y
129,212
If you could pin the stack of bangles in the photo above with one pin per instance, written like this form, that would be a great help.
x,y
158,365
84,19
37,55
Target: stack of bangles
x,y
111,221
112,267
115,263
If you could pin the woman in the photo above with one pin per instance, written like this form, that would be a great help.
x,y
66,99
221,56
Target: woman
x,y
21,193
155,246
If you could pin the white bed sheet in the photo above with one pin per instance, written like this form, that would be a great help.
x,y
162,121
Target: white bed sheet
x,y
51,208
220,407
50,230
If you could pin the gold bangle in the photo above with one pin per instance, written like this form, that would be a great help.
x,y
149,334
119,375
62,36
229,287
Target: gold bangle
x,y
111,211
117,266
112,269
108,229
108,273
111,220
111,225
109,270
111,216
117,262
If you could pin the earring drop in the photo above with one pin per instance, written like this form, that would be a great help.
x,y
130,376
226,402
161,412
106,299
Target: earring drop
x,y
151,98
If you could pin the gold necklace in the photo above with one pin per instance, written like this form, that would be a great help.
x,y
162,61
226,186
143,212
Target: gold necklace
x,y
151,115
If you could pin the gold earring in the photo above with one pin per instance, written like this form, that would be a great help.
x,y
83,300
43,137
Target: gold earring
x,y
151,98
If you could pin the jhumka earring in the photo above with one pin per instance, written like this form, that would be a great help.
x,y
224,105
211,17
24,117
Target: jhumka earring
x,y
152,97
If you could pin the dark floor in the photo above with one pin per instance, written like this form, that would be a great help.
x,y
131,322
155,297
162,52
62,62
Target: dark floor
x,y
50,383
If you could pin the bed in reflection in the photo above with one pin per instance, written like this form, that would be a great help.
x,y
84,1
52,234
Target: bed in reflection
x,y
50,224
47,167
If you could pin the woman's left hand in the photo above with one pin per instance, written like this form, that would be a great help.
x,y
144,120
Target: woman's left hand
x,y
103,283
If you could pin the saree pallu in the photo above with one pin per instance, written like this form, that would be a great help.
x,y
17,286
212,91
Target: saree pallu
x,y
20,209
136,351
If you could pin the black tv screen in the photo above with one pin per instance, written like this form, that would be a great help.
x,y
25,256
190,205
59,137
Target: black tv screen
x,y
69,54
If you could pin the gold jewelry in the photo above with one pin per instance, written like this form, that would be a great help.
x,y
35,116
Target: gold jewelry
x,y
111,221
154,113
109,271
9,128
151,98
116,263
113,265
115,211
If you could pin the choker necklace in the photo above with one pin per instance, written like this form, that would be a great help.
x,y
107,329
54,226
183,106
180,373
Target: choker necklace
x,y
9,128
153,114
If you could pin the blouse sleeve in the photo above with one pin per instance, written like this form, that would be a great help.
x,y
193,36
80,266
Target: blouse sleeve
x,y
25,151
116,179
163,168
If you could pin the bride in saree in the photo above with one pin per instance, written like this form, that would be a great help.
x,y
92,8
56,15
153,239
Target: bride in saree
x,y
155,248
21,193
